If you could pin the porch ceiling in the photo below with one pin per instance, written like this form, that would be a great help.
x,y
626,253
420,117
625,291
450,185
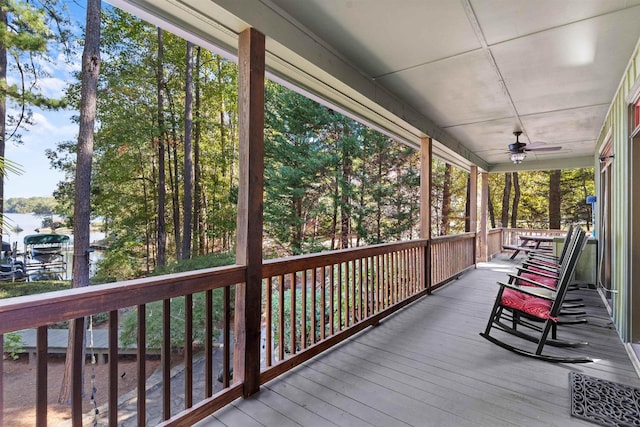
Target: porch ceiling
x,y
467,73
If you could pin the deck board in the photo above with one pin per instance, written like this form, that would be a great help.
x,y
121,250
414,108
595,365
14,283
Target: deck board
x,y
427,365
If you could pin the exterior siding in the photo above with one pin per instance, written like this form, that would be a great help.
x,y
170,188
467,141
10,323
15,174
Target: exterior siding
x,y
617,125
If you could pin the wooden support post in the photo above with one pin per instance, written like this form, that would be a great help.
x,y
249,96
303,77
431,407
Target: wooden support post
x,y
246,358
473,209
473,199
484,214
426,157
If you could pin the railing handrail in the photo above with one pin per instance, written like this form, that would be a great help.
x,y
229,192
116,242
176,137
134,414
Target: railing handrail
x,y
459,236
276,266
42,309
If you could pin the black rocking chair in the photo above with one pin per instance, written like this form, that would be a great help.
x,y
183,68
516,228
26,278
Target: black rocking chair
x,y
525,303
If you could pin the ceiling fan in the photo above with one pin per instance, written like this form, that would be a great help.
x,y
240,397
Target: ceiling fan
x,y
518,150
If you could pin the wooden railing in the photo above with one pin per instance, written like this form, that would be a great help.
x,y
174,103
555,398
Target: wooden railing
x,y
315,301
494,242
310,303
450,256
39,311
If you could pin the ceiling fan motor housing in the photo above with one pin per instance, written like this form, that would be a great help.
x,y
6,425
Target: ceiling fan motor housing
x,y
517,147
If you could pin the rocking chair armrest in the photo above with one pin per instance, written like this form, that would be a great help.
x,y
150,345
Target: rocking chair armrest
x,y
543,293
537,273
541,257
545,268
542,264
513,278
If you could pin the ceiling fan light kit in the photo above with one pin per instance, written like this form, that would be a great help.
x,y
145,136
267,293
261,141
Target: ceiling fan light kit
x,y
517,158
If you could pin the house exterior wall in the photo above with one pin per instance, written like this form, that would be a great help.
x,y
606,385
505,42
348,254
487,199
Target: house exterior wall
x,y
617,129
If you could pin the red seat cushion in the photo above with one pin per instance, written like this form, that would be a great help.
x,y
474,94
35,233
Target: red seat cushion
x,y
534,306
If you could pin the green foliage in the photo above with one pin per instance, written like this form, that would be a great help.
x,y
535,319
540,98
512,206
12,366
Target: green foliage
x,y
10,289
13,345
287,318
533,210
119,263
36,205
28,37
128,334
197,263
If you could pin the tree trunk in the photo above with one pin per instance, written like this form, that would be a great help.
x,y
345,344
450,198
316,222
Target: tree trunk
x,y
516,201
506,196
446,201
554,199
162,184
82,205
188,156
334,216
198,214
345,206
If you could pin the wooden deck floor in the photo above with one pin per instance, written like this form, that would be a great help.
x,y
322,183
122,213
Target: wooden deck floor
x,y
427,366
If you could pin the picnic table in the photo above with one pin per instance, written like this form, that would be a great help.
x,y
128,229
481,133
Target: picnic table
x,y
530,243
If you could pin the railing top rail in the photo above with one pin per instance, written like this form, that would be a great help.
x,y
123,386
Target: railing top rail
x,y
274,267
47,308
460,236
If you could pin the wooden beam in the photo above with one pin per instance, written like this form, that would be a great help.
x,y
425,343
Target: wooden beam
x,y
483,255
246,359
473,199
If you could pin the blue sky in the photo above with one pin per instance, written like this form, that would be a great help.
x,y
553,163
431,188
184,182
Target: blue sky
x,y
49,128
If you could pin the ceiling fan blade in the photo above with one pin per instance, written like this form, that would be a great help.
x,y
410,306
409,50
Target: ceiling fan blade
x,y
536,144
543,149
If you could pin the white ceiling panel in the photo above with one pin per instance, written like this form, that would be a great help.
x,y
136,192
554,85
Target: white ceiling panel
x,y
569,66
459,90
382,36
559,127
502,20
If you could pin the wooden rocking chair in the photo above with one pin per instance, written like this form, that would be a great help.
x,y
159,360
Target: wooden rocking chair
x,y
529,306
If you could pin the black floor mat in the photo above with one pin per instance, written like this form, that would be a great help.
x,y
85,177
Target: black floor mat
x,y
604,402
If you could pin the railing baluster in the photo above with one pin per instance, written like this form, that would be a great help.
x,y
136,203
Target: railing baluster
x,y
208,343
188,351
268,319
226,353
281,317
77,369
42,350
303,310
366,288
332,307
352,286
323,303
313,305
165,359
292,313
113,368
340,304
141,365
